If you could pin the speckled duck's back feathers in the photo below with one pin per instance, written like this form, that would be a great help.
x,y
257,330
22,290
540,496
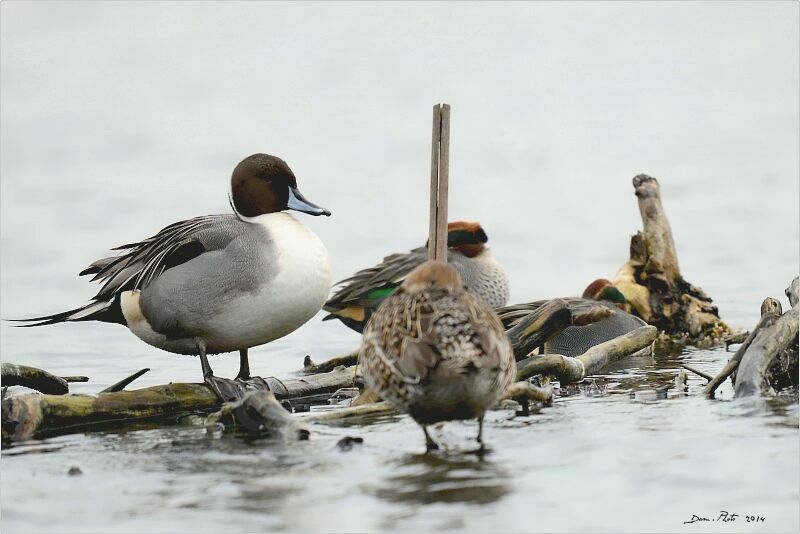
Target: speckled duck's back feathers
x,y
425,337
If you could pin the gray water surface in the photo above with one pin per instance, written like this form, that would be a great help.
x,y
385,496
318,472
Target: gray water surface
x,y
118,119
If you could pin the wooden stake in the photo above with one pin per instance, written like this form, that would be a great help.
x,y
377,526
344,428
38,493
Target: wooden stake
x,y
440,171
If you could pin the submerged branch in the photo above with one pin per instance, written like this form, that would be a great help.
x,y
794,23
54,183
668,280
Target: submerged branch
x,y
567,369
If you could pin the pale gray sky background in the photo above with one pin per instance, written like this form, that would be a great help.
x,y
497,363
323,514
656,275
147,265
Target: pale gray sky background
x,y
120,118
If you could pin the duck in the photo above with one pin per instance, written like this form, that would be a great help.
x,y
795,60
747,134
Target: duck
x,y
360,295
218,283
436,351
576,340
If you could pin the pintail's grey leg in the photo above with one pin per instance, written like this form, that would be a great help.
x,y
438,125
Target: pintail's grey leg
x,y
430,445
244,366
225,389
207,371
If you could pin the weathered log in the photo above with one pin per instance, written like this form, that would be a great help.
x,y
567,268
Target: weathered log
x,y
567,369
525,390
753,376
793,292
258,413
33,378
652,282
35,416
329,365
770,312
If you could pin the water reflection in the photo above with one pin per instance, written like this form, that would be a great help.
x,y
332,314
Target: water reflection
x,y
444,478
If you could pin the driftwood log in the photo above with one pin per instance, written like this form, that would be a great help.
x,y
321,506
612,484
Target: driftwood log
x,y
36,416
567,369
767,361
652,282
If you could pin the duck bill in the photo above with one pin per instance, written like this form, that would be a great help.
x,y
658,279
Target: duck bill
x,y
298,202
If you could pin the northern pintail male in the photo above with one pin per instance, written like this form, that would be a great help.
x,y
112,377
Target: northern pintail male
x,y
436,351
362,293
218,283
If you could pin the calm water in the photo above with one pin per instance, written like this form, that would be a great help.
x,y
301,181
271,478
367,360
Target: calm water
x,y
120,119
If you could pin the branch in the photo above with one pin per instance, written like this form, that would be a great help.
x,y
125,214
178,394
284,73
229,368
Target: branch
x,y
33,378
567,369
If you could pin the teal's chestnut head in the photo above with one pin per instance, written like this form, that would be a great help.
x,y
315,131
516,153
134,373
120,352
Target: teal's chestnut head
x,y
602,289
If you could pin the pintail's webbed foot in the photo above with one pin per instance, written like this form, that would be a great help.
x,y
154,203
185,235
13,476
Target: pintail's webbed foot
x,y
225,389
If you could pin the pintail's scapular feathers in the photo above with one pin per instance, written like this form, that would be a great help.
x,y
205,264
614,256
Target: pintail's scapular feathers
x,y
146,260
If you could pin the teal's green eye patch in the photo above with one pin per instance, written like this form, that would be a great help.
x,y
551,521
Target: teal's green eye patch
x,y
613,294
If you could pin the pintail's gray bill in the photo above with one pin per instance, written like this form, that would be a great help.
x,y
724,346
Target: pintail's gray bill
x,y
298,202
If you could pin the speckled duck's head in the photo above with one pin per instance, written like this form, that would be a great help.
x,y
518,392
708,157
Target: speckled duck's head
x,y
602,289
263,184
468,238
433,275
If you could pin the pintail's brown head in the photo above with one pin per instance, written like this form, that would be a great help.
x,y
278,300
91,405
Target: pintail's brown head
x,y
265,184
602,289
433,274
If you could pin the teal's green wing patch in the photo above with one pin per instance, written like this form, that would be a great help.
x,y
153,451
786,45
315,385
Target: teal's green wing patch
x,y
381,293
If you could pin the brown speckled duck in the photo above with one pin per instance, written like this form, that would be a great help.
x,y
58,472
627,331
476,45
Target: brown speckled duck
x,y
436,351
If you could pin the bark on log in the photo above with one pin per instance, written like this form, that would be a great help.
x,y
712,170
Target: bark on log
x,y
793,292
770,312
756,372
37,416
652,282
592,361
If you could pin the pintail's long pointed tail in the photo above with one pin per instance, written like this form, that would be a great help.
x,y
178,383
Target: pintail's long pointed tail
x,y
99,310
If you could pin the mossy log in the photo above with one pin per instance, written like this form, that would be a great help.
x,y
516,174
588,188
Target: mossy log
x,y
33,378
37,416
652,282
567,369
